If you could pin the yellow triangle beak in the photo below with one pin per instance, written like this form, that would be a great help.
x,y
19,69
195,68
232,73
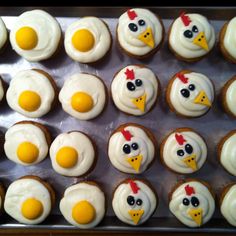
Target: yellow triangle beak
x,y
135,162
190,161
147,37
202,99
136,215
200,40
140,102
196,215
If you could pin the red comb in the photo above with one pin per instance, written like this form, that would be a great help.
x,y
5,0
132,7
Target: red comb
x,y
182,78
133,186
180,139
132,14
129,74
189,190
185,19
127,135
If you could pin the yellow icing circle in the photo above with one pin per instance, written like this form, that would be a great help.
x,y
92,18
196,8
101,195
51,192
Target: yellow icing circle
x,y
82,102
27,152
67,157
32,208
29,101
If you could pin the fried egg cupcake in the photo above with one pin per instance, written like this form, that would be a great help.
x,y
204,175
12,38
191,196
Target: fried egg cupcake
x,y
35,35
87,40
27,143
29,200
2,89
72,154
83,96
83,205
3,35
32,93
2,197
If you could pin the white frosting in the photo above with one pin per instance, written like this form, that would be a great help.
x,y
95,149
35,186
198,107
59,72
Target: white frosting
x,y
31,80
230,38
181,211
82,82
3,33
19,191
20,133
102,39
228,154
123,97
1,90
185,46
145,148
48,32
81,143
121,206
228,206
231,97
174,161
186,106
129,40
80,192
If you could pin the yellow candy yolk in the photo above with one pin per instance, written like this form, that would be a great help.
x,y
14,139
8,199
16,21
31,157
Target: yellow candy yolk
x,y
32,209
83,40
82,102
67,157
83,212
26,38
29,101
27,152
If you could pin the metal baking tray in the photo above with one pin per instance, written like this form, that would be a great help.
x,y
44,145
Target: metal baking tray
x,y
160,120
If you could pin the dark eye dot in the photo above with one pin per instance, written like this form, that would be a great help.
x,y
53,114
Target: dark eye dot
x,y
191,87
130,200
195,29
138,82
188,148
133,27
185,93
126,149
186,201
139,202
141,22
134,146
180,152
195,201
188,34
130,86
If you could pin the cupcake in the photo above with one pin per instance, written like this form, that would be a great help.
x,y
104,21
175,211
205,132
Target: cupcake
x,y
192,202
139,33
29,200
134,201
83,96
2,89
32,93
135,89
27,143
73,154
226,152
3,35
227,40
190,94
191,37
83,204
2,197
228,97
132,148
35,36
87,40
183,151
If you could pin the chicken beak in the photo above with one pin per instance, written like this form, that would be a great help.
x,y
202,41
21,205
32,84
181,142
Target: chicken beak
x,y
196,215
202,99
147,37
136,215
190,161
135,162
140,102
200,40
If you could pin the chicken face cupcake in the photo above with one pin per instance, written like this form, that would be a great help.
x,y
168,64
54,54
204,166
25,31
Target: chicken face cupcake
x,y
135,89
83,96
29,200
72,154
139,32
191,37
83,205
35,35
131,148
3,35
192,203
190,94
183,151
27,143
87,40
32,93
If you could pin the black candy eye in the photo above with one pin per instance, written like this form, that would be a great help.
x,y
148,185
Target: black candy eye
x,y
195,29
191,87
130,86
139,202
130,200
186,201
141,22
126,149
185,93
188,34
188,148
195,201
138,82
134,146
180,152
133,27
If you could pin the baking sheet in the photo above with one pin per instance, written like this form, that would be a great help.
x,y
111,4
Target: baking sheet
x,y
160,121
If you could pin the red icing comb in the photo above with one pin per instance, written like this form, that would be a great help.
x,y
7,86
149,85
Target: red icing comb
x,y
182,78
189,190
131,14
133,186
180,139
129,74
185,19
127,135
